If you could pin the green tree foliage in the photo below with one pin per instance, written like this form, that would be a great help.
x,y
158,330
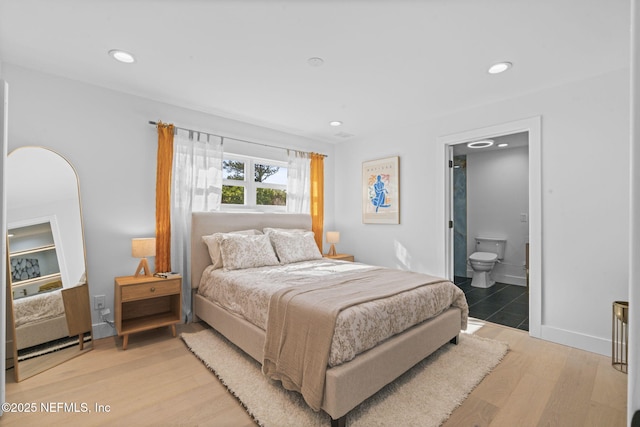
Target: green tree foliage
x,y
268,196
234,195
234,169
263,172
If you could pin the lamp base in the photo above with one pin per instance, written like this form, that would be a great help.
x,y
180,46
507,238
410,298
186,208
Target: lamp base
x,y
332,250
143,266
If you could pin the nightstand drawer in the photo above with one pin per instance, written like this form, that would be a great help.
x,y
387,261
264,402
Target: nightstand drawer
x,y
341,257
150,290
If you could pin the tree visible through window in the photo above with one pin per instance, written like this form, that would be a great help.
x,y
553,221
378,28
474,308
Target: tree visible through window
x,y
268,187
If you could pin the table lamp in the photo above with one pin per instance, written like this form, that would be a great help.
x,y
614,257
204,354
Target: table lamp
x,y
333,237
142,248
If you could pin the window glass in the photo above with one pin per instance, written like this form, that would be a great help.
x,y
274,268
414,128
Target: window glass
x,y
233,169
270,174
271,197
233,195
251,183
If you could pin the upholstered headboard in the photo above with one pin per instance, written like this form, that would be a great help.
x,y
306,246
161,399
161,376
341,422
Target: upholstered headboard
x,y
205,223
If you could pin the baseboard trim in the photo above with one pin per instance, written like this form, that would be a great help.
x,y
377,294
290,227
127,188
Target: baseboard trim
x,y
504,278
577,340
512,280
102,330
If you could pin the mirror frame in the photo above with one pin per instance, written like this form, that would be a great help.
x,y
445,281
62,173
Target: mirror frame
x,y
75,300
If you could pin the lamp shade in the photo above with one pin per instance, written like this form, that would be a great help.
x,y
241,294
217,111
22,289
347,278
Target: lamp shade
x,y
333,237
143,247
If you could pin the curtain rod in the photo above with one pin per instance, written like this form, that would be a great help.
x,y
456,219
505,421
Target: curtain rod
x,y
151,122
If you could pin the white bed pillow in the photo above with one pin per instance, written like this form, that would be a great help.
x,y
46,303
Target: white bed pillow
x,y
294,247
213,243
286,230
246,251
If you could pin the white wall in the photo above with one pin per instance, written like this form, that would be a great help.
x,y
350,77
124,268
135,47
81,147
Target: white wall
x,y
106,136
585,206
497,195
633,399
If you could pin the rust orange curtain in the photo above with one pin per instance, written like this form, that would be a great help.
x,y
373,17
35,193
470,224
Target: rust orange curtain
x,y
317,197
163,197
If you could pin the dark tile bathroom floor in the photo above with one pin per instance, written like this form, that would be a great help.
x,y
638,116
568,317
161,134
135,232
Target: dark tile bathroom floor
x,y
503,304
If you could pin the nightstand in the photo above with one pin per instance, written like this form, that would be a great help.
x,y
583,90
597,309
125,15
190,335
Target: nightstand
x,y
143,303
341,257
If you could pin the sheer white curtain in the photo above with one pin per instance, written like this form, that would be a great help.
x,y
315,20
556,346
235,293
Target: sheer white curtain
x,y
298,181
197,186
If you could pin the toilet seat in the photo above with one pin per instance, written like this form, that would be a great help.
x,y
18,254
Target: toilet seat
x,y
483,257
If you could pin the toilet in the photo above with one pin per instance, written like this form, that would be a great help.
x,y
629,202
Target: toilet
x,y
488,251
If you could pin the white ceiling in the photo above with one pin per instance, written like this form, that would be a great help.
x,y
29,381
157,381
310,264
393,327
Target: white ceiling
x,y
515,140
387,64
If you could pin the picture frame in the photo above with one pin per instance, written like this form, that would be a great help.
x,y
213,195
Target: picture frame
x,y
381,191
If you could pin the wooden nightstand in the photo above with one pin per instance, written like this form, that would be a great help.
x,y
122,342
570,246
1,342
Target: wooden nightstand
x,y
341,257
143,303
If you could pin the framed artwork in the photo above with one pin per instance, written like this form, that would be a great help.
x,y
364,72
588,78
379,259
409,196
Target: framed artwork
x,y
381,191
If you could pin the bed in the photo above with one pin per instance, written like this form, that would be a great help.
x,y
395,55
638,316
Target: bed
x,y
345,384
39,318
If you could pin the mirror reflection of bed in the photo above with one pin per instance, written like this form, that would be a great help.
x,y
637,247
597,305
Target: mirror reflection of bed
x,y
48,315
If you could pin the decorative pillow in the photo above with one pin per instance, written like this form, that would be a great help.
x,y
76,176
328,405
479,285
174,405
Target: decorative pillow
x,y
285,230
213,243
295,247
245,251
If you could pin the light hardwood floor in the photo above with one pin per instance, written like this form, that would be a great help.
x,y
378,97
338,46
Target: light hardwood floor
x,y
158,382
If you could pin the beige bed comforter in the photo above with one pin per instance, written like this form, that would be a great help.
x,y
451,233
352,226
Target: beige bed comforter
x,y
38,307
359,325
247,293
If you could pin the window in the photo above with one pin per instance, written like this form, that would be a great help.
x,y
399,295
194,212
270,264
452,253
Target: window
x,y
253,183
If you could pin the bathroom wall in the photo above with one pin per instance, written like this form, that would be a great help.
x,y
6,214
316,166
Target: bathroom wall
x,y
498,206
460,216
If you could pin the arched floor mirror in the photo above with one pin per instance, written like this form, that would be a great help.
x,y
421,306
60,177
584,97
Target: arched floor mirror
x,y
49,319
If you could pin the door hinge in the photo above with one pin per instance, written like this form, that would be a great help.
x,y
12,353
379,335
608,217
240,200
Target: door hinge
x,y
450,163
450,224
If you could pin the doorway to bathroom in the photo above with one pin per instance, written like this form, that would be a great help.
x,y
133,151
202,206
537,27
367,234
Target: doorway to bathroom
x,y
490,221
494,192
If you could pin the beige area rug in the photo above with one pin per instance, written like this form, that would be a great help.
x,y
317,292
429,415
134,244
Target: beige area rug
x,y
426,395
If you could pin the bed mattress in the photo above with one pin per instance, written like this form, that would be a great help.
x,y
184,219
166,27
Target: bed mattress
x,y
247,293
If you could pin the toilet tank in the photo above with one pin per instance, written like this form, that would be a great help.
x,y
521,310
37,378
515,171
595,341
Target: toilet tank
x,y
491,244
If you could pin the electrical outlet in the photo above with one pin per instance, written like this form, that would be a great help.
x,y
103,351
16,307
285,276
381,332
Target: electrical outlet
x,y
98,302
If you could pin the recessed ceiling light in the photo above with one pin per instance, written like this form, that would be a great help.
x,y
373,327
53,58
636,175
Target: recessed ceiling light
x,y
122,56
315,61
336,123
481,144
500,67
504,144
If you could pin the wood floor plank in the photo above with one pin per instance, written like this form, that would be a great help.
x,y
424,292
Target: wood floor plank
x,y
526,402
610,387
601,415
157,381
571,397
477,413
